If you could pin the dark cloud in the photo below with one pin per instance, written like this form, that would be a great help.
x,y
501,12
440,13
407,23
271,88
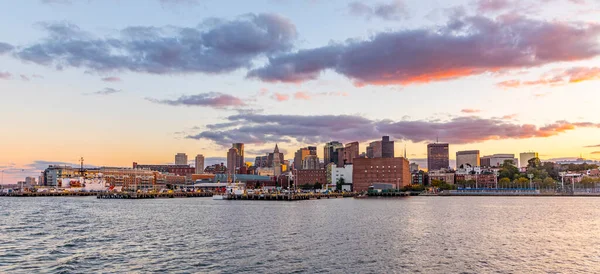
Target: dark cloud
x,y
484,6
107,91
261,129
210,99
5,75
111,79
466,46
394,10
215,46
4,48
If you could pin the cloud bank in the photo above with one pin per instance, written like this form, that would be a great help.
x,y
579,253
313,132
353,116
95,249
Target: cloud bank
x,y
261,129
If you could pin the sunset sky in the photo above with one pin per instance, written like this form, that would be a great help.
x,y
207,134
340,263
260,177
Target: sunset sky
x,y
117,81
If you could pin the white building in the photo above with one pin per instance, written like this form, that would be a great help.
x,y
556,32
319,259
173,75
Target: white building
x,y
467,158
181,159
265,171
199,164
525,157
497,160
334,174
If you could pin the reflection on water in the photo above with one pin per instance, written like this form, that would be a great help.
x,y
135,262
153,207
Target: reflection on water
x,y
416,234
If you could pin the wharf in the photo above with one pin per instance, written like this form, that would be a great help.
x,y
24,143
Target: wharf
x,y
288,197
390,194
133,195
49,194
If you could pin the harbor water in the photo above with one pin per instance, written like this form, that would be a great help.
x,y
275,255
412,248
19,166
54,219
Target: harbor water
x,y
385,235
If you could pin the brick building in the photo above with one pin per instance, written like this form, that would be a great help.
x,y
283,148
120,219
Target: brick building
x,y
310,176
368,171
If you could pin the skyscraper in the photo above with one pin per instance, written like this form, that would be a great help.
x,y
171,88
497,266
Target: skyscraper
x,y
181,159
276,161
348,153
467,157
240,151
381,149
525,157
438,156
232,162
330,154
199,164
387,147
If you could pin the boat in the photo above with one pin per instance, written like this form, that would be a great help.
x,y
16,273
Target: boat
x,y
231,189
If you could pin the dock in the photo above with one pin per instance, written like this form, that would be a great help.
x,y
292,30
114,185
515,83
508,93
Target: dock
x,y
49,194
134,195
289,197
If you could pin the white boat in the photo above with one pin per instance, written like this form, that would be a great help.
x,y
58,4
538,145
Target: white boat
x,y
231,189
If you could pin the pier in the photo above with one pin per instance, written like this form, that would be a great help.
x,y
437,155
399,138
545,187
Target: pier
x,y
288,197
49,194
134,195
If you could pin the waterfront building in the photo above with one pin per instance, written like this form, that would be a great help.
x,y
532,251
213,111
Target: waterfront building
x,y
330,152
438,156
497,160
310,177
240,154
443,175
199,164
299,156
181,159
232,163
30,181
369,171
467,158
181,170
265,171
337,174
524,158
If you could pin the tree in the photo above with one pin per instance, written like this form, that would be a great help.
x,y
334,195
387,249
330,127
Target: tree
x,y
339,184
317,185
534,162
504,182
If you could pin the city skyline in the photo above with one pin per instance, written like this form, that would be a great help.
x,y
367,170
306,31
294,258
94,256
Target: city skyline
x,y
59,105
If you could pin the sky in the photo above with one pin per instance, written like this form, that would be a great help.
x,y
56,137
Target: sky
x,y
118,81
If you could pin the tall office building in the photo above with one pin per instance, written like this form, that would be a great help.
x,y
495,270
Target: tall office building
x,y
232,162
181,159
240,151
387,147
301,155
438,156
525,157
467,158
348,153
381,149
277,162
330,152
310,162
199,164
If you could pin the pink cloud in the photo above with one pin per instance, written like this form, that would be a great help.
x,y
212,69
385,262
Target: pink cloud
x,y
469,110
280,97
557,77
111,79
5,75
302,95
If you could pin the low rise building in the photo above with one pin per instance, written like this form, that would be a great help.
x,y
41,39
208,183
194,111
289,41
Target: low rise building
x,y
341,175
369,171
443,175
310,177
